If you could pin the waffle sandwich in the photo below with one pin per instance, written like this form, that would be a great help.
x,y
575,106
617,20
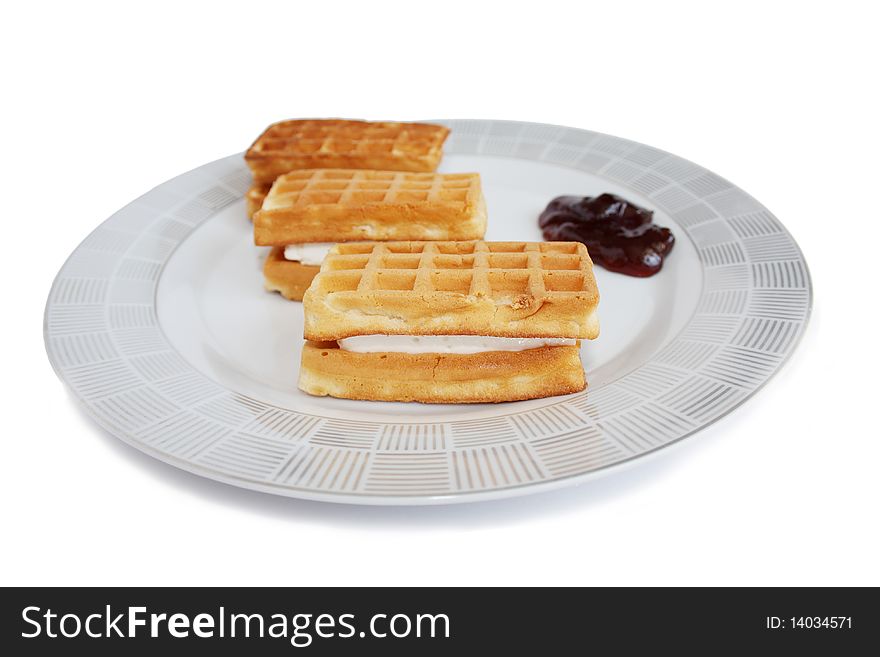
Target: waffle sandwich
x,y
307,210
449,322
336,143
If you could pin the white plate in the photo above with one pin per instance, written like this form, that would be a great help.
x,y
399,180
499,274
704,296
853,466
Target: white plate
x,y
159,324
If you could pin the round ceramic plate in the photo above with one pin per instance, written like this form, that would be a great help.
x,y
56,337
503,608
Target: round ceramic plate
x,y
160,326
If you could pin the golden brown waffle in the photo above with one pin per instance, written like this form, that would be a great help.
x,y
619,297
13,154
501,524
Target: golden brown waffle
x,y
336,205
255,197
507,289
291,279
337,143
494,376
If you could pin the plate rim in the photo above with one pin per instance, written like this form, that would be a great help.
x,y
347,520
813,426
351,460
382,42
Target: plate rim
x,y
501,492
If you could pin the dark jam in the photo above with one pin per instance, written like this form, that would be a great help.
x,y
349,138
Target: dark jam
x,y
620,236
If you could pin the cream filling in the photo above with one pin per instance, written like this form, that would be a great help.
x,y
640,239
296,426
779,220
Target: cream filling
x,y
310,253
446,344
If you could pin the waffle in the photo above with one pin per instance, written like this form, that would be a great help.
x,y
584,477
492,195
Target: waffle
x,y
291,279
440,378
255,197
336,143
507,289
323,205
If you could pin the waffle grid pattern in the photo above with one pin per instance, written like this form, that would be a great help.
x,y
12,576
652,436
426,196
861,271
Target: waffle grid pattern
x,y
347,138
309,143
351,187
499,270
104,340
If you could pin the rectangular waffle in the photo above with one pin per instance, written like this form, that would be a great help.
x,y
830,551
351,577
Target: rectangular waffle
x,y
440,378
337,143
506,289
291,279
324,205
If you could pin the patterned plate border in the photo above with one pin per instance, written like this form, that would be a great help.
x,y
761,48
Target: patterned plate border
x,y
104,341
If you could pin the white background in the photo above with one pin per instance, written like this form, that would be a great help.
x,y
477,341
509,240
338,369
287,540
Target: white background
x,y
103,102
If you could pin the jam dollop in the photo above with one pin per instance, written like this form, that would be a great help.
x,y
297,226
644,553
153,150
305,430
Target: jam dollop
x,y
619,235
